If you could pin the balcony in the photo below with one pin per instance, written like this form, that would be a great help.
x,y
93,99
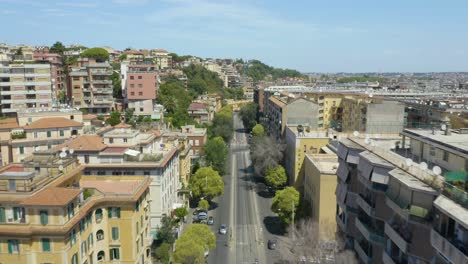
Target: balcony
x,y
395,234
102,82
365,204
368,232
448,249
362,254
398,206
340,223
18,135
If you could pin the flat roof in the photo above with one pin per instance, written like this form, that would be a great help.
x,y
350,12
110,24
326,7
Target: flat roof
x,y
376,160
311,134
452,209
112,186
17,175
412,182
453,142
325,163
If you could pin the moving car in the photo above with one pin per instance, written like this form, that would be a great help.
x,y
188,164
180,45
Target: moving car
x,y
223,229
271,244
210,220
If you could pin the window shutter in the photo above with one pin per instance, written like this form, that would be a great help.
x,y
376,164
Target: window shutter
x,y
118,212
115,233
45,244
10,246
15,213
2,215
117,253
109,212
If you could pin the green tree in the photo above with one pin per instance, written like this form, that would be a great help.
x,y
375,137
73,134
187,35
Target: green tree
x,y
181,212
61,96
198,85
207,183
73,60
285,203
117,84
176,99
211,80
128,114
216,153
114,118
203,204
222,124
163,252
248,115
19,51
57,47
276,176
191,245
122,57
99,54
166,230
258,130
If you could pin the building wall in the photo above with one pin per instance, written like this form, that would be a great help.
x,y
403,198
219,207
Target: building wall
x,y
302,112
141,85
435,156
386,117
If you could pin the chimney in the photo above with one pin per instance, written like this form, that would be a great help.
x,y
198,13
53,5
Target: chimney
x,y
433,131
447,129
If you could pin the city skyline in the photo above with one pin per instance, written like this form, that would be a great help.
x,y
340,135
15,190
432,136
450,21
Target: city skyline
x,y
311,37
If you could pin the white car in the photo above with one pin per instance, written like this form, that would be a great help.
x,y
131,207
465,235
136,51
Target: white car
x,y
223,230
207,253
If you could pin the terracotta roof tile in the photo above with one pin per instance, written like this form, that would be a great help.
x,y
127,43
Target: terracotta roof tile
x,y
53,196
122,125
196,106
85,143
112,186
53,122
8,123
89,117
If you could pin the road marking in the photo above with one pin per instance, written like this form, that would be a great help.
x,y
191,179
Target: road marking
x,y
232,224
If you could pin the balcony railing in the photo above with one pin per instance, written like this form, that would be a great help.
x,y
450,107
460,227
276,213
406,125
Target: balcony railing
x,y
362,253
365,204
396,232
371,234
449,250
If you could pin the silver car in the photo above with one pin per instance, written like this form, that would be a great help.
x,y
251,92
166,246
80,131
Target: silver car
x,y
223,229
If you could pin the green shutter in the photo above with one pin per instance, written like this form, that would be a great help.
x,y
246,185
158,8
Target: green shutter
x,y
61,133
117,253
44,218
2,215
15,213
115,233
10,246
46,245
21,149
49,134
109,212
118,212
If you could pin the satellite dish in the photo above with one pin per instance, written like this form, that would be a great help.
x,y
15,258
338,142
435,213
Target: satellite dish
x,y
409,162
423,165
371,95
62,155
60,168
437,170
443,127
355,133
367,140
71,151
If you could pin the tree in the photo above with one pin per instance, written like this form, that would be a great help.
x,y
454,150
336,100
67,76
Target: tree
x,y
276,176
176,100
285,203
181,212
310,241
248,115
207,183
166,230
222,124
117,85
19,51
163,252
265,153
61,96
258,130
128,114
57,47
216,153
99,54
203,204
71,60
114,118
198,85
191,245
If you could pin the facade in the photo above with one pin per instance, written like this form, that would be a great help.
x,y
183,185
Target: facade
x,y
201,113
319,190
197,138
141,88
300,142
24,86
161,58
330,109
425,113
90,87
50,212
58,77
394,212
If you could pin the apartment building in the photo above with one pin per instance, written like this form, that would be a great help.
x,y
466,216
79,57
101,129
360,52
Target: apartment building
x,y
140,88
201,113
35,130
58,77
161,58
319,190
299,142
128,152
425,113
402,212
24,86
90,86
50,212
330,109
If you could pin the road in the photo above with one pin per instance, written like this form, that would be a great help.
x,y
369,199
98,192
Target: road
x,y
245,209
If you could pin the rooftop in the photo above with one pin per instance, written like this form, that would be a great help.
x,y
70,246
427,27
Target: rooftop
x,y
113,186
307,134
53,122
325,163
453,142
53,196
376,160
196,106
85,143
8,123
412,182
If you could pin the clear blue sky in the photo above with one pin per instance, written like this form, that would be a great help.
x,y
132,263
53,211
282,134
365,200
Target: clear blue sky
x,y
308,35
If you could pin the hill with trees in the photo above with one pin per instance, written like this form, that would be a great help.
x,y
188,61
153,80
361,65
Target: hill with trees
x,y
258,70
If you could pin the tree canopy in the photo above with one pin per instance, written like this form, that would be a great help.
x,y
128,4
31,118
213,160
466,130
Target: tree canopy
x,y
176,99
191,245
99,54
202,80
203,204
216,153
364,78
58,48
166,230
207,183
181,212
258,71
163,252
258,130
222,125
117,84
276,176
266,152
285,202
248,115
114,118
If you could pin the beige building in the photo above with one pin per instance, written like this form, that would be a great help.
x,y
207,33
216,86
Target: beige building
x,y
161,58
51,213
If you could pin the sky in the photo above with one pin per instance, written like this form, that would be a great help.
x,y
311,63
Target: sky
x,y
307,35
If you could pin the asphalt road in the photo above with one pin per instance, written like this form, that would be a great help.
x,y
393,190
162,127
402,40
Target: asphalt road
x,y
245,209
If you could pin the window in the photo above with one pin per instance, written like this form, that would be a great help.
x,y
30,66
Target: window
x,y
61,133
146,173
99,235
132,85
446,156
44,217
114,253
111,140
140,93
70,210
12,185
101,173
21,150
83,249
141,109
86,158
140,77
90,241
101,256
98,215
49,134
115,233
72,237
125,140
74,259
13,246
140,85
113,212
2,215
35,134
132,93
132,77
197,142
45,245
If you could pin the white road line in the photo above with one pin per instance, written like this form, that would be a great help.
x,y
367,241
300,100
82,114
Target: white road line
x,y
232,224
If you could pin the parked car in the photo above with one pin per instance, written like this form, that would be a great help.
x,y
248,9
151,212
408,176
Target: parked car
x,y
210,220
207,253
202,216
223,229
271,244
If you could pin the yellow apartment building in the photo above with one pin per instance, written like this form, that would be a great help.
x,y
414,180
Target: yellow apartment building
x,y
51,213
319,190
330,109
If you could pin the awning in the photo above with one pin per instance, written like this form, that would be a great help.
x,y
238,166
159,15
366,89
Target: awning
x,y
343,171
353,156
342,151
452,209
132,152
341,191
365,168
380,175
